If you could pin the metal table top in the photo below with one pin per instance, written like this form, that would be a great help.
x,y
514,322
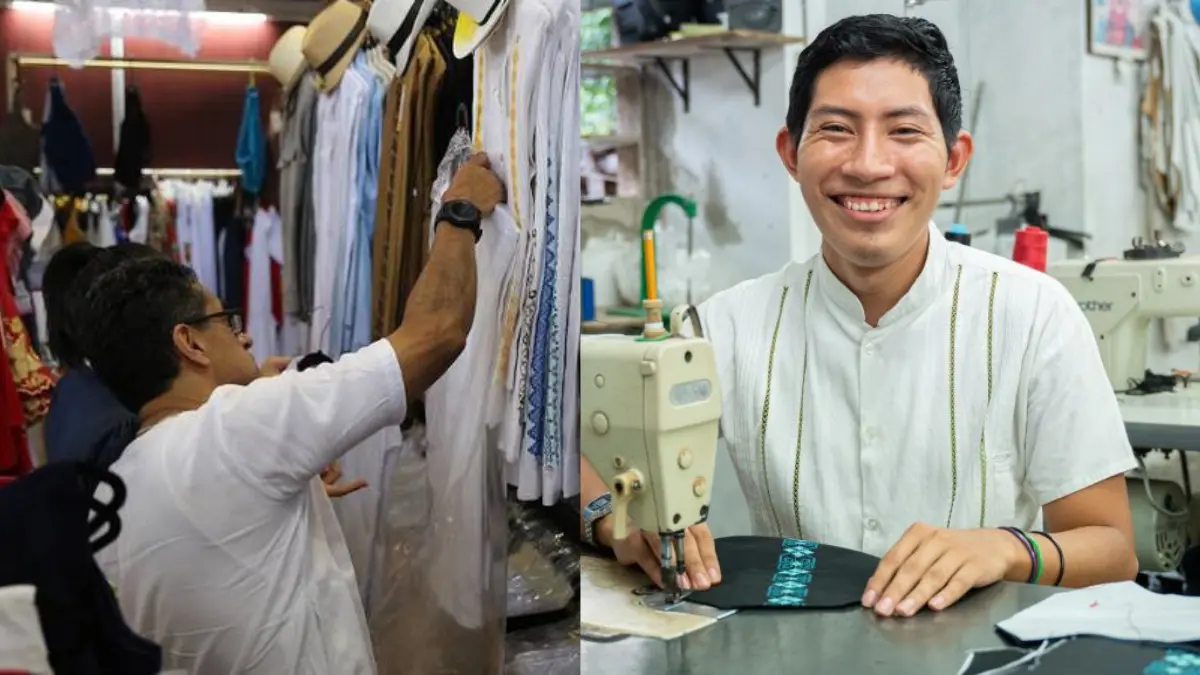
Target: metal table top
x,y
852,641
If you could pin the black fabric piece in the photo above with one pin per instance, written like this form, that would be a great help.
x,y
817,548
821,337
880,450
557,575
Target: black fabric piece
x,y
20,143
67,149
233,251
45,529
133,149
346,45
454,105
749,566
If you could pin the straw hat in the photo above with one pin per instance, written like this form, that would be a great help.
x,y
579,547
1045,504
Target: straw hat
x,y
332,40
286,62
397,23
476,21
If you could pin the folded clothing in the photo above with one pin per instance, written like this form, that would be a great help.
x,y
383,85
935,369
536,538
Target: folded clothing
x,y
769,572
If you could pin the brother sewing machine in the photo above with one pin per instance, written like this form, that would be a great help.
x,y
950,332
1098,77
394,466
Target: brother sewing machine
x,y
1121,296
649,411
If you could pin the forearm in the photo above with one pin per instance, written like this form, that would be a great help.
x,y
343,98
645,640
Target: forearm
x,y
439,311
1094,554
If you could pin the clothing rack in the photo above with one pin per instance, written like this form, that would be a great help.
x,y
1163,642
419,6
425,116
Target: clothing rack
x,y
18,61
244,67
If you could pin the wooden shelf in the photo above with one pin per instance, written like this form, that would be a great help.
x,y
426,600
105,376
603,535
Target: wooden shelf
x,y
610,142
684,49
687,47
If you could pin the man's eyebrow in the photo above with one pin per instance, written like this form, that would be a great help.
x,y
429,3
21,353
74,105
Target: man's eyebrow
x,y
838,111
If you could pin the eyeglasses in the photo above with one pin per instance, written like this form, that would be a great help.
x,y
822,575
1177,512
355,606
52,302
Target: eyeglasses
x,y
233,317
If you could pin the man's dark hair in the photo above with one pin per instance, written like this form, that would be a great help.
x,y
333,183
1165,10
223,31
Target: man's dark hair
x,y
916,42
62,270
65,283
131,311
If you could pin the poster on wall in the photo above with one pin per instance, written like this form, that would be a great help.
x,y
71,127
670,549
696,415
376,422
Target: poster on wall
x,y
1118,28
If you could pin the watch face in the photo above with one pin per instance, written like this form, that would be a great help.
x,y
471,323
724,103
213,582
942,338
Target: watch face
x,y
464,212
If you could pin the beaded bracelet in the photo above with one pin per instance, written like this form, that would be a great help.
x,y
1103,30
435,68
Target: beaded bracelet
x,y
1031,547
1062,560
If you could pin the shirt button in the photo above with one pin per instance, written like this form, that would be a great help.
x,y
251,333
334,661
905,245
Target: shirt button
x,y
869,434
871,524
868,349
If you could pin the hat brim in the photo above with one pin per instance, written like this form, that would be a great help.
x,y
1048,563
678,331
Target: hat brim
x,y
468,35
331,79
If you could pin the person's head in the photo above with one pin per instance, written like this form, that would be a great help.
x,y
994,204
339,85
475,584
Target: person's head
x,y
153,326
63,268
874,134
65,282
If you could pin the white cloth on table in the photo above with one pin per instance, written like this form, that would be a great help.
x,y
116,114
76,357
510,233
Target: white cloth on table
x,y
1122,611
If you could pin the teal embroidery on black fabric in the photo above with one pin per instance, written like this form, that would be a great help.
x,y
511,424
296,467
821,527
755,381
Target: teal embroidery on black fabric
x,y
793,574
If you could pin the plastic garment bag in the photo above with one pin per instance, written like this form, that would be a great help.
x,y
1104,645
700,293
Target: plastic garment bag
x,y
442,607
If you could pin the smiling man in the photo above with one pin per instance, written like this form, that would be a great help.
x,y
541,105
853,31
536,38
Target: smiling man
x,y
897,393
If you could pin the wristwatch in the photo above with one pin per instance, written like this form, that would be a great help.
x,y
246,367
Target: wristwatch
x,y
592,513
461,213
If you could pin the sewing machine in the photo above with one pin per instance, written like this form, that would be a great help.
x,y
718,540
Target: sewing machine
x,y
649,414
1122,296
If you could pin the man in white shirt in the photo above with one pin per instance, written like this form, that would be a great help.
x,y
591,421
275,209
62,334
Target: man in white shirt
x,y
897,393
230,556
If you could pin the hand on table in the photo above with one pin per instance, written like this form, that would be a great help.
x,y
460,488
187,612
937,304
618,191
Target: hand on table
x,y
934,567
330,477
641,548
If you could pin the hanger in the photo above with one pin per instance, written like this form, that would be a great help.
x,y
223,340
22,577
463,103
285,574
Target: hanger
x,y
252,79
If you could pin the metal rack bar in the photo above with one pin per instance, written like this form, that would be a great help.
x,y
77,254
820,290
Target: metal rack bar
x,y
244,67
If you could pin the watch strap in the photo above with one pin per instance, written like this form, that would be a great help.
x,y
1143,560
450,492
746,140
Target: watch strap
x,y
595,510
445,214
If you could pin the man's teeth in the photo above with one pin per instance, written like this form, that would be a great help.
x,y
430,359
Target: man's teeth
x,y
868,205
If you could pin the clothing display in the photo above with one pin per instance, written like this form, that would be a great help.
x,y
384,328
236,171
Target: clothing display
x,y
49,544
786,573
67,153
832,469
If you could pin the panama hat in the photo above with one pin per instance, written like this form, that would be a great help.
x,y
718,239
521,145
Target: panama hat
x,y
396,24
286,61
332,41
476,21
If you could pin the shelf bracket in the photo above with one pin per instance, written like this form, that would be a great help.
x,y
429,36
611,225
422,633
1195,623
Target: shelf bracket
x,y
753,79
682,86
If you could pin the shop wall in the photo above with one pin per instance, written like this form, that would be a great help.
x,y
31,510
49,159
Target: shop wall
x,y
194,116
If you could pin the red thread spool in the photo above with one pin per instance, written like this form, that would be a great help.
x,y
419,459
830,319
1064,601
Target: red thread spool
x,y
1029,247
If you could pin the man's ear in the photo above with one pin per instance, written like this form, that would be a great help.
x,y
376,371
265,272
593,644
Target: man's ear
x,y
960,155
786,148
189,344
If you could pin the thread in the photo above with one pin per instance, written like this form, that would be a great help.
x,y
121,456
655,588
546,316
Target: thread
x,y
1029,247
